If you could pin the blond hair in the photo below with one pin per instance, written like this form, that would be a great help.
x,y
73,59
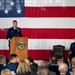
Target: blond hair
x,y
73,61
6,72
22,67
27,61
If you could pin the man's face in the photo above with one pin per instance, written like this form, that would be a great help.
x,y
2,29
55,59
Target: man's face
x,y
15,59
15,24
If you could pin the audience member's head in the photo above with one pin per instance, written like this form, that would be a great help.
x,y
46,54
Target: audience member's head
x,y
73,61
34,66
13,58
2,59
63,68
6,72
30,59
22,67
44,63
46,60
53,60
43,71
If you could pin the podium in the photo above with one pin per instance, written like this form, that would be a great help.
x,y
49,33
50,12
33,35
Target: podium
x,y
19,46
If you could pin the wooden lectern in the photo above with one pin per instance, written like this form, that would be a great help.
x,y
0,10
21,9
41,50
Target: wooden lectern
x,y
19,46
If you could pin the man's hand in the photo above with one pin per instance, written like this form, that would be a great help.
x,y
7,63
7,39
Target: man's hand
x,y
8,39
70,52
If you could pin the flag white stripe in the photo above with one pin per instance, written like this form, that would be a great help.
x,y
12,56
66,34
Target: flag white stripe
x,y
40,44
39,22
38,62
49,2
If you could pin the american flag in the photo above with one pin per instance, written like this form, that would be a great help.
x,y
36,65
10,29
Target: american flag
x,y
44,22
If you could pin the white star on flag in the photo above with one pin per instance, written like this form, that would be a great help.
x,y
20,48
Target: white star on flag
x,y
19,11
12,3
6,11
0,3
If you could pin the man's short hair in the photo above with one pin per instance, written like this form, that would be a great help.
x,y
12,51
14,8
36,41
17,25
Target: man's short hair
x,y
2,58
34,66
43,71
14,21
63,68
12,56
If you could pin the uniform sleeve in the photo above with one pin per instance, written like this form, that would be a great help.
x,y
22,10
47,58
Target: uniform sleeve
x,y
71,47
8,35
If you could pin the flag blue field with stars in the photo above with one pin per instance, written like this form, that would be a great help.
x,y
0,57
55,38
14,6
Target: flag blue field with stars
x,y
11,8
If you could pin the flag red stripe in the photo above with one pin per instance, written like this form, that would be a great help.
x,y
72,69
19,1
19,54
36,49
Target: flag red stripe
x,y
43,54
45,33
60,11
36,54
